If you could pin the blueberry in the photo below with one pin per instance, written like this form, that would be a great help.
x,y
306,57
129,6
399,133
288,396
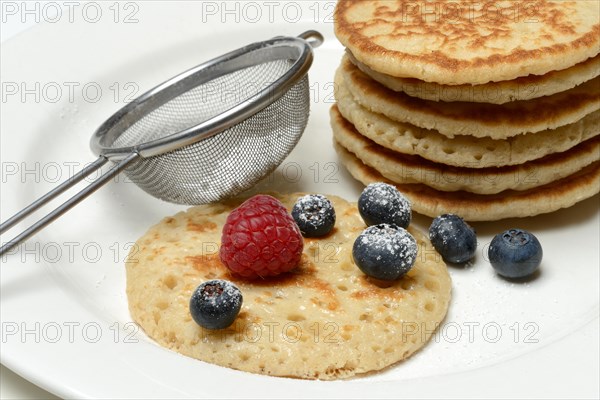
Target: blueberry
x,y
515,253
453,238
385,251
381,203
314,215
215,304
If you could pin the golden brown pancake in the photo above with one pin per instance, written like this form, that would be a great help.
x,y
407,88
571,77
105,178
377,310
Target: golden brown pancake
x,y
523,88
323,320
405,168
477,207
467,42
496,121
463,151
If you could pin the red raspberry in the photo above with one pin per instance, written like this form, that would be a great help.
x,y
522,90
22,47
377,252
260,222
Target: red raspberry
x,y
260,238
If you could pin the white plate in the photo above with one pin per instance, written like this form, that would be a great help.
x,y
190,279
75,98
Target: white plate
x,y
65,324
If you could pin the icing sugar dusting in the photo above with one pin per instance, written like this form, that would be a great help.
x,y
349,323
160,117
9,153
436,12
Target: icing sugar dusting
x,y
314,214
394,240
314,207
219,292
385,200
380,192
444,228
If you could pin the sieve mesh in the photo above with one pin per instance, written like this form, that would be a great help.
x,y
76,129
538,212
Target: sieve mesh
x,y
231,161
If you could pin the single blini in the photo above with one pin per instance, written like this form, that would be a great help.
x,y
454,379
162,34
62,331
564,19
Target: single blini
x,y
407,168
451,119
462,151
466,42
523,88
477,207
324,319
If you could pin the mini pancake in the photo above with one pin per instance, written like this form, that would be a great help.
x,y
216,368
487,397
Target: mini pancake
x,y
323,320
462,151
523,88
466,42
403,168
496,121
478,207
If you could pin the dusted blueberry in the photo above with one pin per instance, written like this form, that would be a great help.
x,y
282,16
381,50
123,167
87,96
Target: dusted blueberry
x,y
215,304
385,252
381,203
515,253
314,215
453,238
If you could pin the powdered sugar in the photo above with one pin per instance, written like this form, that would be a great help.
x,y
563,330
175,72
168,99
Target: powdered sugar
x,y
453,238
220,293
395,241
314,215
215,304
383,203
314,207
385,251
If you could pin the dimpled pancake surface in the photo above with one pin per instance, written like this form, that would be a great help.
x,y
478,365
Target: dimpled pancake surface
x,y
403,168
523,88
467,42
463,150
477,207
324,320
497,121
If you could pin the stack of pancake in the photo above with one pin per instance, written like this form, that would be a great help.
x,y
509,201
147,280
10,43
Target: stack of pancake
x,y
486,111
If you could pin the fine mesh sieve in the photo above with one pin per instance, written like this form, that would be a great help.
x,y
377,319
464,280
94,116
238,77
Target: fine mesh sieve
x,y
206,134
225,164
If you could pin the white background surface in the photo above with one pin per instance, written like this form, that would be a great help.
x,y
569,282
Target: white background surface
x,y
554,301
12,386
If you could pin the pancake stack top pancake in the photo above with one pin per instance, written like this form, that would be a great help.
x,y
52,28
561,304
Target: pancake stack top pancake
x,y
488,110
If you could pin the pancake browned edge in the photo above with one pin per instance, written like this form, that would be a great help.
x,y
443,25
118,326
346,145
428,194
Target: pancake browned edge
x,y
323,320
496,121
523,88
405,168
465,43
462,151
477,207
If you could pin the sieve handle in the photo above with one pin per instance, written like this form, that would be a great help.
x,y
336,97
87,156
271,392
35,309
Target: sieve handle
x,y
313,38
52,194
67,205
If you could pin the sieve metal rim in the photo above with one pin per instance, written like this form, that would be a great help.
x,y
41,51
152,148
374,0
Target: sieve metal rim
x,y
145,103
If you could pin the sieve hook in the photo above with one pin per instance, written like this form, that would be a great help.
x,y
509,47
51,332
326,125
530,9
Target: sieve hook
x,y
314,38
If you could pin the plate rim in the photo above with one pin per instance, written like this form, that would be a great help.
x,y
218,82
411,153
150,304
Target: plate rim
x,y
13,361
